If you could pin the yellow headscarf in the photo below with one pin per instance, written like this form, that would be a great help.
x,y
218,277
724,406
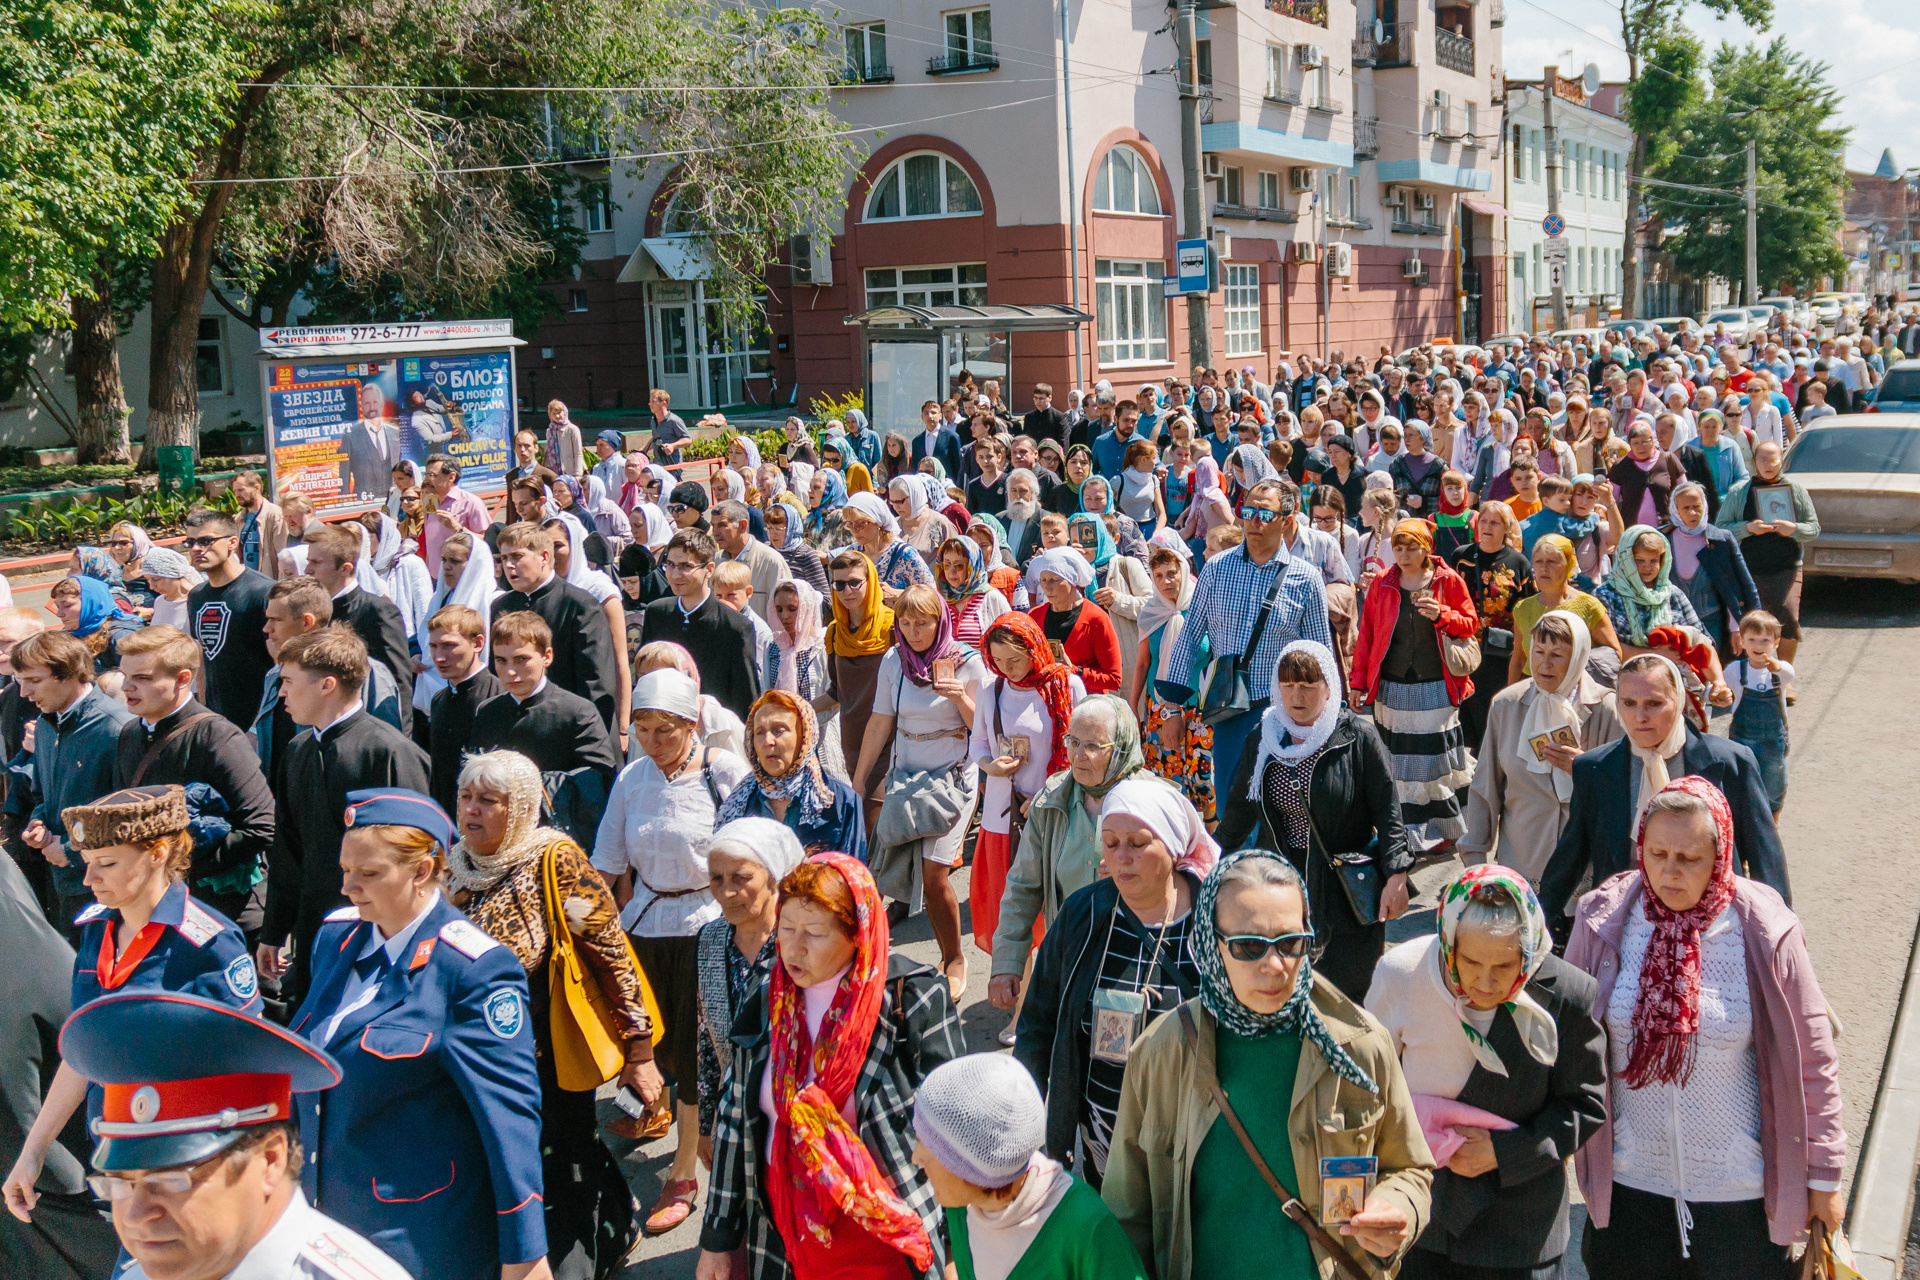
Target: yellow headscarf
x,y
1561,546
859,479
875,633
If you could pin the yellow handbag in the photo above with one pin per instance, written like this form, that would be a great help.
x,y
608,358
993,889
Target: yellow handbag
x,y
588,1049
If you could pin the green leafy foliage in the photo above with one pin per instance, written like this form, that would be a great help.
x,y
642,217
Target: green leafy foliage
x,y
1668,86
69,521
825,409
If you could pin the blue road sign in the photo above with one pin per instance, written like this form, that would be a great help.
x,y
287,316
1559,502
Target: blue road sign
x,y
1553,224
1191,255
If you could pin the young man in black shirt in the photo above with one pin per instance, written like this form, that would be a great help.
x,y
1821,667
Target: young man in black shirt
x,y
584,663
226,614
557,730
720,640
333,555
1045,422
457,647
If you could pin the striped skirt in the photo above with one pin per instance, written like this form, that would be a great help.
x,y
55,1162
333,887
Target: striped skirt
x,y
1427,754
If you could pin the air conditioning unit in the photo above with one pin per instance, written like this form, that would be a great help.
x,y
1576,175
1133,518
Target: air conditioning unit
x,y
1441,100
1397,197
1340,259
1222,244
812,258
1303,250
1212,167
1423,200
1413,269
1312,55
1299,178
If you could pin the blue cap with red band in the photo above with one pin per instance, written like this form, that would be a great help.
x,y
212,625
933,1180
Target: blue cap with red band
x,y
398,807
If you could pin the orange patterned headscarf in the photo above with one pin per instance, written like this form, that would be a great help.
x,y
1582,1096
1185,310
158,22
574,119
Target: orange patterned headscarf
x,y
815,1151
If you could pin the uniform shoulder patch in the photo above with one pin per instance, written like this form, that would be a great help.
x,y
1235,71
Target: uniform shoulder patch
x,y
348,912
332,1253
466,938
93,912
196,926
241,979
503,1013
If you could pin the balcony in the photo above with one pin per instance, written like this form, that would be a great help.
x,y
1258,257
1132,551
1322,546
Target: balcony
x,y
1453,52
1496,13
865,73
958,61
1282,96
1206,101
1247,213
1325,106
1314,11
1353,222
1405,228
1394,48
1366,137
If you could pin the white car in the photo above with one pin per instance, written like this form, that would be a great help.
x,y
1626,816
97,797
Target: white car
x,y
1739,322
1677,325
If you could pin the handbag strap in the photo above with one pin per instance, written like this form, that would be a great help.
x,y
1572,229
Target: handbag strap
x,y
1289,1203
153,748
1266,609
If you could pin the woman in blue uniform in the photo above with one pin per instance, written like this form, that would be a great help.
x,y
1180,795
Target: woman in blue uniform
x,y
144,931
430,1145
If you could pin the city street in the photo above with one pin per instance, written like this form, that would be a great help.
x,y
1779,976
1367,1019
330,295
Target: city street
x,y
1849,831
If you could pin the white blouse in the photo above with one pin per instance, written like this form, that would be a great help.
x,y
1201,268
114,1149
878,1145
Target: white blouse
x,y
1023,713
660,831
928,730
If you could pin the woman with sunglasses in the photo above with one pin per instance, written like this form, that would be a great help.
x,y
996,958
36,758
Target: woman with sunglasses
x,y
1307,1074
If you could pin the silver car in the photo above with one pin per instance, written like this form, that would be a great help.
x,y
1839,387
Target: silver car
x,y
1862,472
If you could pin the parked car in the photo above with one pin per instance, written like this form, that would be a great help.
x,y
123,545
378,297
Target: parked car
x,y
1629,329
1862,472
1739,321
1899,391
1827,308
1591,337
1678,325
1511,341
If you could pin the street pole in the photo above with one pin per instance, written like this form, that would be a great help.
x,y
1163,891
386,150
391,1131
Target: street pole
x,y
1073,206
1199,323
1753,231
1553,191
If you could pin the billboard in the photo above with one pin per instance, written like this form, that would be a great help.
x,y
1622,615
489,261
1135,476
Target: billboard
x,y
337,428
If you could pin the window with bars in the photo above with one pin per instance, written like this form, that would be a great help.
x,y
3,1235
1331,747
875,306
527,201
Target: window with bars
x,y
1130,312
970,35
1243,310
867,52
964,285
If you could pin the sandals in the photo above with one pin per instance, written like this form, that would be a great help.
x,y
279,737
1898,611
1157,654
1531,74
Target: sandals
x,y
956,987
674,1206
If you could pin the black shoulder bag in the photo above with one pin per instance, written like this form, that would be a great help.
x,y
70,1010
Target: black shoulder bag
x,y
1228,693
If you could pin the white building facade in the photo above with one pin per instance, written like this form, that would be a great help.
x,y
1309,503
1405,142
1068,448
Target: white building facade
x,y
1596,152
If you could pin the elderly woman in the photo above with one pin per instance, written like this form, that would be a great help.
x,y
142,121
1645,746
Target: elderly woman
x,y
501,874
836,1032
922,720
1645,479
1306,1074
719,728
1554,564
788,783
875,531
1523,774
1507,1066
1497,576
1724,1140
128,545
827,497
1082,630
786,533
1772,549
1178,745
1709,569
922,527
172,579
1120,953
1640,599
1399,667
971,599
1316,783
651,848
1120,585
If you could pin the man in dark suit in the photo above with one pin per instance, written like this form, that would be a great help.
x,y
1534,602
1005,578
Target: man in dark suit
x,y
557,730
1606,785
720,640
333,554
341,749
373,447
584,662
937,440
1045,422
457,646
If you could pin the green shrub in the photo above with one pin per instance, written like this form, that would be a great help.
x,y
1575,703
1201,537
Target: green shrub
x,y
823,409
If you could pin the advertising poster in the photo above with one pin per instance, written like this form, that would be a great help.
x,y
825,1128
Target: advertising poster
x,y
337,428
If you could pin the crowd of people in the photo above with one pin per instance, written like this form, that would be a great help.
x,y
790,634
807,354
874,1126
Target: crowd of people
x,y
453,815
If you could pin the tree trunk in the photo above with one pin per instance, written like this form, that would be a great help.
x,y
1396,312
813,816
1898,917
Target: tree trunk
x,y
95,364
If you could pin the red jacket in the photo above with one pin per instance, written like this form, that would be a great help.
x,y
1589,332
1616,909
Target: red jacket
x,y
1382,610
1093,650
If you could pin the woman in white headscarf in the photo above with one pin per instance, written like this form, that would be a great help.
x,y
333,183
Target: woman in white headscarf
x,y
922,527
608,519
570,562
466,578
1177,744
1523,776
797,663
387,569
1081,629
876,532
743,455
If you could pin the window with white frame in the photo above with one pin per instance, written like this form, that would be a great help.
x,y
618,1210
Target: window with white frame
x,y
210,357
598,199
576,300
867,51
1519,275
926,185
1130,312
963,285
1279,72
1229,186
1473,124
1579,169
970,34
1269,191
1125,184
1320,84
1243,310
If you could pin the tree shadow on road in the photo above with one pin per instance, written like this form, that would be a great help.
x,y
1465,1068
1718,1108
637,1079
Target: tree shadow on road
x,y
1851,603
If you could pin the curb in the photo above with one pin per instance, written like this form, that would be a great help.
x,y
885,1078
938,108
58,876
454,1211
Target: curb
x,y
1879,1219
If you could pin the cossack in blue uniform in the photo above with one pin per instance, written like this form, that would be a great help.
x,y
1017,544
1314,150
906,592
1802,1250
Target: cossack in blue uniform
x,y
430,1146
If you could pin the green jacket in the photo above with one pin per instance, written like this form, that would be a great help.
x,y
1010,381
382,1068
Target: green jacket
x,y
1733,507
1166,1112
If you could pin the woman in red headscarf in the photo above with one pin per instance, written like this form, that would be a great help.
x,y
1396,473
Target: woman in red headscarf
x,y
812,1144
1019,732
1723,1140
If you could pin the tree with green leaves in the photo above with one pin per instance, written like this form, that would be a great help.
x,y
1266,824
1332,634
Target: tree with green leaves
x,y
1657,67
1781,101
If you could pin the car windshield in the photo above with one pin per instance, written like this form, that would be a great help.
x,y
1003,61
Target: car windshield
x,y
1900,384
1886,450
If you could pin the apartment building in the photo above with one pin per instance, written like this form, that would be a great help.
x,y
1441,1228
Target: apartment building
x,y
1595,152
1347,169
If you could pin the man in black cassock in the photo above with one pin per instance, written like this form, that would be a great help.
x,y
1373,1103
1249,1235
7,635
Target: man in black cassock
x,y
584,663
342,749
458,653
332,557
557,730
720,640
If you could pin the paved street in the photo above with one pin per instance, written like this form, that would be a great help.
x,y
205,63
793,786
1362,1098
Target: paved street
x,y
1848,825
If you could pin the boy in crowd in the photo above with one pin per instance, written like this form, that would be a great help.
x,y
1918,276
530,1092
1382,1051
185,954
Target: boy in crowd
x,y
557,730
457,646
733,586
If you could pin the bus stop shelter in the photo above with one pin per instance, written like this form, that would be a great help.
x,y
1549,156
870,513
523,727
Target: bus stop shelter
x,y
912,354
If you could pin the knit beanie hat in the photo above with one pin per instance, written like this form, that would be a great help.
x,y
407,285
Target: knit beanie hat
x,y
982,1117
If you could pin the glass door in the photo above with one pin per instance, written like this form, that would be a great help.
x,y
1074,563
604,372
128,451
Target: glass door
x,y
673,344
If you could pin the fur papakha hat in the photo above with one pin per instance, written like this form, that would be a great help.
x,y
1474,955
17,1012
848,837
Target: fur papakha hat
x,y
133,816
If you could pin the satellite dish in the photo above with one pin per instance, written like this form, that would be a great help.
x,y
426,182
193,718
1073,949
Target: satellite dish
x,y
1379,31
1590,80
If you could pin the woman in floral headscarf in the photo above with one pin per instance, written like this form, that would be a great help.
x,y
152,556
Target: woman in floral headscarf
x,y
788,783
1506,1063
1724,1139
972,600
809,1192
1265,1033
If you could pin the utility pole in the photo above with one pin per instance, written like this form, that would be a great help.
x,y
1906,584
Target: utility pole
x,y
1073,205
1199,322
1553,191
1753,231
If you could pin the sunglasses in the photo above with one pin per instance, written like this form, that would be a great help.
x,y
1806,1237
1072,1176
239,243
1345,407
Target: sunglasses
x,y
196,544
851,584
160,1182
675,508
118,542
1251,948
1259,515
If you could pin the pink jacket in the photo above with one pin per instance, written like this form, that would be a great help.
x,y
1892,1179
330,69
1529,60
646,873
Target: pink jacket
x,y
1800,1130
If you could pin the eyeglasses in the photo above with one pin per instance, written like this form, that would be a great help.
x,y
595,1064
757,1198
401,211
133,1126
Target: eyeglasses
x,y
160,1182
1326,522
1259,515
196,544
1081,747
850,584
1251,948
681,566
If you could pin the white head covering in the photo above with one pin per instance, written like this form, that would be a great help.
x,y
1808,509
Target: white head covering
x,y
1653,761
365,575
476,590
1547,711
1064,562
390,545
579,573
670,691
735,483
875,508
800,480
771,844
915,490
808,632
1168,620
655,527
753,451
1280,737
1169,815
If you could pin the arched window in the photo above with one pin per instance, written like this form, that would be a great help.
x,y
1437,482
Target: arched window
x,y
1125,184
927,185
686,213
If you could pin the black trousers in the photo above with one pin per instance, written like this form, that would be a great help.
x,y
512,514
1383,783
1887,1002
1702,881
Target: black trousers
x,y
1424,1264
1641,1241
